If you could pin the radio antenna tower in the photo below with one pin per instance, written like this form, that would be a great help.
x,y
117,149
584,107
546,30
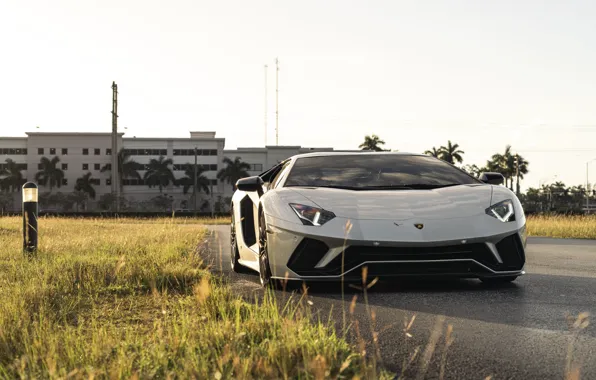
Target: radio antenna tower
x,y
265,105
276,101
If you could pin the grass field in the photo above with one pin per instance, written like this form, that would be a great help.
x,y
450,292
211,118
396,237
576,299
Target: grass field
x,y
135,299
576,227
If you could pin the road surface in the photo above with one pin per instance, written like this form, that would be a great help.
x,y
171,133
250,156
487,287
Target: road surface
x,y
515,331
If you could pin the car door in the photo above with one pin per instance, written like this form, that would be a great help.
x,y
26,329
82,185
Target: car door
x,y
274,182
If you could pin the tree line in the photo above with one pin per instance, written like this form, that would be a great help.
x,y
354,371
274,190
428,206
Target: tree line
x,y
506,163
158,173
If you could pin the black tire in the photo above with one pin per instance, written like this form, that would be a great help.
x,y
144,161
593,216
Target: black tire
x,y
234,252
264,268
498,280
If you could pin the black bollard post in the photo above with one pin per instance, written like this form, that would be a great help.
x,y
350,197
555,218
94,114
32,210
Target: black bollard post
x,y
30,217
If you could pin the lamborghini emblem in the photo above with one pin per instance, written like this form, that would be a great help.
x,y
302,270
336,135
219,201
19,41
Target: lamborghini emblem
x,y
419,226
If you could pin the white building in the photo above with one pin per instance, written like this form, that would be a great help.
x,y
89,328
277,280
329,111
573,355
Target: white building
x,y
81,153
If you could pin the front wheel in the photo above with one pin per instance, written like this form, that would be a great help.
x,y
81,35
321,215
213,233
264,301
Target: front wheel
x,y
498,280
234,252
264,268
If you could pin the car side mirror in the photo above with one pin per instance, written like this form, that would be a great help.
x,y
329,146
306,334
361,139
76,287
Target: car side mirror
x,y
492,178
250,184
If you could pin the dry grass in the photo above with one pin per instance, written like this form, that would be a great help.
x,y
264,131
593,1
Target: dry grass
x,y
562,226
576,227
116,299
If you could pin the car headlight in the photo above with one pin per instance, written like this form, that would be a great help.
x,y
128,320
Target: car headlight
x,y
312,216
504,211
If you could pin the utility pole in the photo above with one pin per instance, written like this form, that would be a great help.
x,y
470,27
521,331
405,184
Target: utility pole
x,y
276,101
194,187
115,177
265,105
517,173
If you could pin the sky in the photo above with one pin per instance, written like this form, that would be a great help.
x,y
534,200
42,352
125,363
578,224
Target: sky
x,y
483,74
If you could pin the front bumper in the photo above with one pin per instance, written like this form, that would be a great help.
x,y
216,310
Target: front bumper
x,y
295,255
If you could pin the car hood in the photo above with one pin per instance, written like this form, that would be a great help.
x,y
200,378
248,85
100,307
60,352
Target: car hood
x,y
449,202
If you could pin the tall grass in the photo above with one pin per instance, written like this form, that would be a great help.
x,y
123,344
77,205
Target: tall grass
x,y
562,226
113,299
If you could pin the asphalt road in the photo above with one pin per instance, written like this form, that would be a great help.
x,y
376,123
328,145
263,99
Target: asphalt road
x,y
515,331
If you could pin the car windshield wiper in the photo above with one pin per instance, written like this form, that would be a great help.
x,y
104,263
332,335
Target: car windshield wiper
x,y
412,186
431,186
386,187
329,186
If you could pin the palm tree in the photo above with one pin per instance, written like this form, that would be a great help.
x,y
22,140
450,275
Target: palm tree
x,y
126,168
11,178
434,152
79,198
85,185
506,164
451,153
523,169
159,173
49,173
473,170
189,181
233,171
372,143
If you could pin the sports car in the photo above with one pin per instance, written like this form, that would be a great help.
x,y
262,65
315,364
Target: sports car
x,y
326,216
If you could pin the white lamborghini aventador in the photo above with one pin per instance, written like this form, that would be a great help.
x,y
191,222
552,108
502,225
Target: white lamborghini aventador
x,y
324,216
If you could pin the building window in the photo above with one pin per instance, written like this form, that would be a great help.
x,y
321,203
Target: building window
x,y
64,151
139,166
39,166
94,181
213,182
19,166
202,167
85,166
133,182
108,152
13,151
96,166
109,181
64,166
146,152
256,167
108,166
52,150
40,151
64,182
191,152
97,151
85,151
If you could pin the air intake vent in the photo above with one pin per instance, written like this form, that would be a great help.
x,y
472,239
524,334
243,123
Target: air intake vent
x,y
306,255
512,253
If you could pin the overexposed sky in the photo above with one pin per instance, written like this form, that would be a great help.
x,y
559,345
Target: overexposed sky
x,y
417,73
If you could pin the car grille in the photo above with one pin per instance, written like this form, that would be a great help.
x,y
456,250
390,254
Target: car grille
x,y
432,260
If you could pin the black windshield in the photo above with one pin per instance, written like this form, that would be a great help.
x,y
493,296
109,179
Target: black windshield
x,y
382,171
